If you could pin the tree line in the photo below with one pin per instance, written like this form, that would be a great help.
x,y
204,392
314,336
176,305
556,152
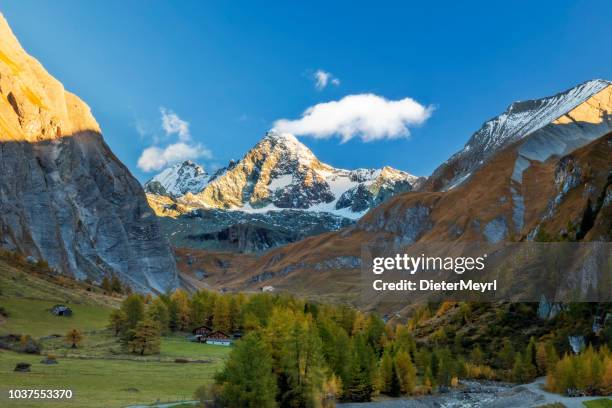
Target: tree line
x,y
297,353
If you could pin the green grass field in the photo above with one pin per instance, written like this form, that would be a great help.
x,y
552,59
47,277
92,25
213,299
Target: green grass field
x,y
600,403
178,347
99,372
30,316
102,344
103,383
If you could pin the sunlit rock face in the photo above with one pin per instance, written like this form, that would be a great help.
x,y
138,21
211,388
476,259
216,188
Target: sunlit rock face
x,y
279,173
64,196
556,124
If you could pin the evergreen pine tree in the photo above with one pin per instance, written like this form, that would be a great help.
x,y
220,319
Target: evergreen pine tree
x,y
506,355
518,373
115,284
359,387
247,379
303,366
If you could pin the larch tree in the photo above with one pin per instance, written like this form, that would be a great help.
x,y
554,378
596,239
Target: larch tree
x,y
117,322
147,338
221,315
133,307
74,338
406,372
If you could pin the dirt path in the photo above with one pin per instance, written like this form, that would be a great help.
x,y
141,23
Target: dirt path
x,y
569,402
475,394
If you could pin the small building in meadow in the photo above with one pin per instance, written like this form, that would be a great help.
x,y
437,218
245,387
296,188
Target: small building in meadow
x,y
61,310
219,338
201,333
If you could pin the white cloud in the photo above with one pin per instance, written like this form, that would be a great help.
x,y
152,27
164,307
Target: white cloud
x,y
368,116
156,158
323,78
172,124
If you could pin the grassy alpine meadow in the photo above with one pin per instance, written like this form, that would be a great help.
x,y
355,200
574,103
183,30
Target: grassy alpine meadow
x,y
27,298
100,372
599,403
32,316
102,344
103,382
179,347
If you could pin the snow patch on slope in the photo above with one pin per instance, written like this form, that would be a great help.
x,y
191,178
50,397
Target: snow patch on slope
x,y
520,120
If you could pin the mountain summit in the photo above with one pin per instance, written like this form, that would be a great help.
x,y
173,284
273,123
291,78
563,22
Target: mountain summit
x,y
278,173
519,121
178,179
64,196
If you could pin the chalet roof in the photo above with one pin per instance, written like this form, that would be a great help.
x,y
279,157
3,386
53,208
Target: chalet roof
x,y
218,333
201,327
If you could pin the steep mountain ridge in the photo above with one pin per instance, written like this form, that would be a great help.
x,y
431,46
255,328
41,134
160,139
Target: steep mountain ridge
x,y
64,196
519,121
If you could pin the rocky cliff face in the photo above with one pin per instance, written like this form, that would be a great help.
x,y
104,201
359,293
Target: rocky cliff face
x,y
64,196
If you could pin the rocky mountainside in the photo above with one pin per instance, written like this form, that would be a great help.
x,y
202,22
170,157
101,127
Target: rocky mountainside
x,y
277,185
238,231
178,180
553,184
278,173
520,120
64,196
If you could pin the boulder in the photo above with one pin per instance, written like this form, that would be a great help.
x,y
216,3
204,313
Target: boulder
x,y
23,367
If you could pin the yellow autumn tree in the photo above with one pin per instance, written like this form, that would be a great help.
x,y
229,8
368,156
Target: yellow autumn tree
x,y
406,372
180,311
221,315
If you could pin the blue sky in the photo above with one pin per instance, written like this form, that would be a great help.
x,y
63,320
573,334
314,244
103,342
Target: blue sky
x,y
231,69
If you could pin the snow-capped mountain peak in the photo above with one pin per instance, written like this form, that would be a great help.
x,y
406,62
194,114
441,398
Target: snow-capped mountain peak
x,y
289,146
178,179
280,172
520,120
